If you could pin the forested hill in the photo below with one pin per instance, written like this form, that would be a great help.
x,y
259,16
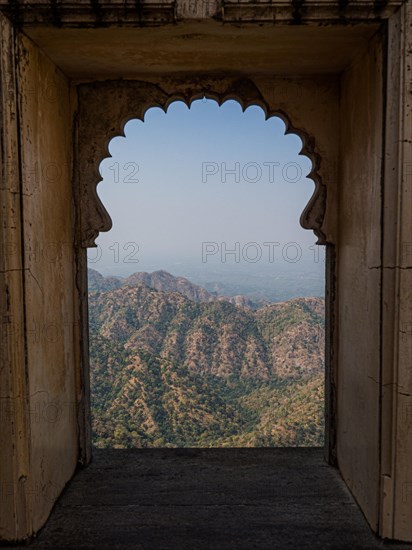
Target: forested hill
x,y
162,280
167,370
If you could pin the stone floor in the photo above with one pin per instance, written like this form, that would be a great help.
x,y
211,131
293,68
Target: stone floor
x,y
208,499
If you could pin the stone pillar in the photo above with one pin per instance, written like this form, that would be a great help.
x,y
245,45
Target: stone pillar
x,y
15,521
396,427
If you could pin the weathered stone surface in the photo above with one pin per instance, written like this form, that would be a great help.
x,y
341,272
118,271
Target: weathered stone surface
x,y
208,499
14,425
359,285
105,107
338,73
39,321
153,13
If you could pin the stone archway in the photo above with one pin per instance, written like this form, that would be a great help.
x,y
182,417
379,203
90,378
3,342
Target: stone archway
x,y
357,65
98,124
104,108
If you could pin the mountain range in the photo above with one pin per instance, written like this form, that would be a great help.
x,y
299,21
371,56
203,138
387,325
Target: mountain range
x,y
173,365
164,281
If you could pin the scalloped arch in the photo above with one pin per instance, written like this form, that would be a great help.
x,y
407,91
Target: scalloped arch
x,y
130,100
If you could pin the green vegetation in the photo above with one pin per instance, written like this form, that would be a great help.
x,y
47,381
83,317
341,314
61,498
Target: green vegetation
x,y
170,371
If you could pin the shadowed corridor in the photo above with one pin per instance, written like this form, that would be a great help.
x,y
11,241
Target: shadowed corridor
x,y
208,499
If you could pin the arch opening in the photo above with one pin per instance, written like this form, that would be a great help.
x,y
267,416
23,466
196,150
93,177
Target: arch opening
x,y
181,307
133,103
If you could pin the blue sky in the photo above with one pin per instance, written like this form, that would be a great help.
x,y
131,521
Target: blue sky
x,y
169,189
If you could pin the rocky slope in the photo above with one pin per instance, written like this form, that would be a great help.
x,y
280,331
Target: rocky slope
x,y
164,281
98,283
172,371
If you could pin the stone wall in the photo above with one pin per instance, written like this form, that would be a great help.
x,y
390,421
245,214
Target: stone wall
x,y
359,277
353,113
41,307
49,276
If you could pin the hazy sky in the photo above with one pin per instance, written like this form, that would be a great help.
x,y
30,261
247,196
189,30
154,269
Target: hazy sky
x,y
184,182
